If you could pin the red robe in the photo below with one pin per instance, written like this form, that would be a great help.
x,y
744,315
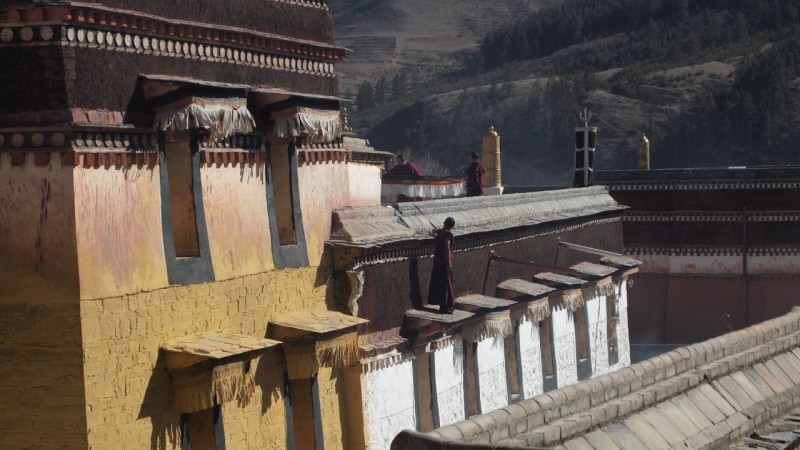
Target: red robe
x,y
476,178
441,290
408,169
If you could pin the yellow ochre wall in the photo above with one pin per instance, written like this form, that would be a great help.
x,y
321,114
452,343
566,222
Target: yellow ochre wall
x,y
128,391
120,244
37,221
325,186
41,382
81,369
235,202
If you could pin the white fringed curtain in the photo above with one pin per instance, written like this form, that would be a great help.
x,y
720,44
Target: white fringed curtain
x,y
321,125
495,325
223,118
536,311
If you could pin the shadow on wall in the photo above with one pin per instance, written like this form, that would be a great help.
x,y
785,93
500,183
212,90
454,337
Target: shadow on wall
x,y
337,292
158,406
269,380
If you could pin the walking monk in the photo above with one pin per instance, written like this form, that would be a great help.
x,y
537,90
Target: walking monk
x,y
441,290
476,178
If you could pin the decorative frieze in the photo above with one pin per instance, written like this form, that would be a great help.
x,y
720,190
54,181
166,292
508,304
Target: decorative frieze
x,y
238,149
318,156
701,185
128,31
56,139
711,251
682,217
761,216
467,244
385,360
140,159
243,142
224,158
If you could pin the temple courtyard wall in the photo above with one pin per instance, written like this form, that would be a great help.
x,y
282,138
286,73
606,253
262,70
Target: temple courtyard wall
x,y
463,377
713,394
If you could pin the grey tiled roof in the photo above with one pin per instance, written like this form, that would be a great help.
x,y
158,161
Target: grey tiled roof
x,y
406,221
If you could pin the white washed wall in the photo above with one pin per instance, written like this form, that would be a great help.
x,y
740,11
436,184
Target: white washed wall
x,y
623,338
564,346
598,334
389,404
491,360
530,352
389,393
449,383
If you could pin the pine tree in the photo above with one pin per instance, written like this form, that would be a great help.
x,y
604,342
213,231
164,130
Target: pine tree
x,y
380,94
366,96
399,86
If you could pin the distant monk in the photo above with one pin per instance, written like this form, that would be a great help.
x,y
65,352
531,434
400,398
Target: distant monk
x,y
475,176
405,168
441,290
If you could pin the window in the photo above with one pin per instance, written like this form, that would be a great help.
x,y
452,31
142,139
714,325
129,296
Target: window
x,y
548,354
179,148
472,400
581,333
203,430
511,346
612,318
306,413
282,180
580,320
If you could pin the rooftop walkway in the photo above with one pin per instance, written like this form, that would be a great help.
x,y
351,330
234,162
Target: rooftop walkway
x,y
708,395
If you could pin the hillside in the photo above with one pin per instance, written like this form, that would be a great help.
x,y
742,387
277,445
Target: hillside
x,y
419,37
711,82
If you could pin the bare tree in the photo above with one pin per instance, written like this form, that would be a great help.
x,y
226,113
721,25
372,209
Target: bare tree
x,y
426,162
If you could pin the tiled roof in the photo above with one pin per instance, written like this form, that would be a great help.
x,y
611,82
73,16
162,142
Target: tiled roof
x,y
407,221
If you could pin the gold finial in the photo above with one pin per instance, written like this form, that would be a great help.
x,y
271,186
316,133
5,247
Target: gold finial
x,y
644,153
343,117
491,157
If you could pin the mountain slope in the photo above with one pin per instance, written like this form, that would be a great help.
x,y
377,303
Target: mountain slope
x,y
422,37
711,82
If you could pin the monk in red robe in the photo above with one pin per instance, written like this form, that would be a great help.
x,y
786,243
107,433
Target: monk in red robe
x,y
441,290
475,176
404,168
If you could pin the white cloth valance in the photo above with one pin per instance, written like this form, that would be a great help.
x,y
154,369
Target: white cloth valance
x,y
320,125
495,325
222,118
428,188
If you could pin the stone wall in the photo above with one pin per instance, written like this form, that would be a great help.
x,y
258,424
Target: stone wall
x,y
42,401
491,373
564,345
128,391
391,403
448,373
530,352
